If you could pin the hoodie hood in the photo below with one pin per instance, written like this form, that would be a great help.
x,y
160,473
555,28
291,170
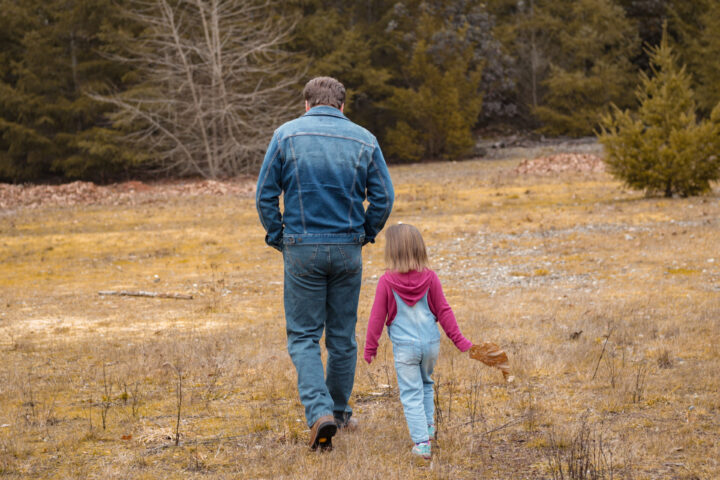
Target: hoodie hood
x,y
412,286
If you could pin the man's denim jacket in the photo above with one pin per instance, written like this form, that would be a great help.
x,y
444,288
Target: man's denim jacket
x,y
325,166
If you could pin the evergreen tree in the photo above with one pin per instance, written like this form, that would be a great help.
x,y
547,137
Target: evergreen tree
x,y
698,30
47,121
589,66
571,58
525,30
440,100
15,138
648,18
663,148
497,85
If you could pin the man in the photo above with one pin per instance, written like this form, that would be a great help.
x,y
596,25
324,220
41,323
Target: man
x,y
325,166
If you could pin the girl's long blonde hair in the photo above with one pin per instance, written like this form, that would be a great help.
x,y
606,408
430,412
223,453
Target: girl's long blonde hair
x,y
405,249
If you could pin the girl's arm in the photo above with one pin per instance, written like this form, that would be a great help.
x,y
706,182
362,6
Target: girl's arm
x,y
445,316
378,314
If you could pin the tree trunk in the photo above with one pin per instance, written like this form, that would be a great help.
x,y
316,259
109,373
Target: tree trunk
x,y
533,55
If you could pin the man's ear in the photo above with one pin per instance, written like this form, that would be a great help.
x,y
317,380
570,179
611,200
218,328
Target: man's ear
x,y
307,106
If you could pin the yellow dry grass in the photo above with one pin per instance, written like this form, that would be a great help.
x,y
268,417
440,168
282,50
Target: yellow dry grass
x,y
559,271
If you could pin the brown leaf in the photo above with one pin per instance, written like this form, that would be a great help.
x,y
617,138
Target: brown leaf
x,y
493,356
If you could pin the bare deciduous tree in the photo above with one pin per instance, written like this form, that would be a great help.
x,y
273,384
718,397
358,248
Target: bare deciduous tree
x,y
214,82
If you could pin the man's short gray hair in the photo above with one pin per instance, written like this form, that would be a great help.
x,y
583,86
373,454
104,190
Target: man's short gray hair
x,y
324,91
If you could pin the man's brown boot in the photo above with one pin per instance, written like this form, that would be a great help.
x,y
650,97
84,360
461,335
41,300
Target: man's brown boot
x,y
322,432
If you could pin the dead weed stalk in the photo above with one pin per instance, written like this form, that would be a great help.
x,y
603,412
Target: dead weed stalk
x,y
178,398
587,457
106,401
639,379
602,352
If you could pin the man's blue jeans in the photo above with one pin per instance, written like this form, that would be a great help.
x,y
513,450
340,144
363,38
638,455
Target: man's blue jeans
x,y
322,287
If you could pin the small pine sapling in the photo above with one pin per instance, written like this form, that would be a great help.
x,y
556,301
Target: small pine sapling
x,y
663,148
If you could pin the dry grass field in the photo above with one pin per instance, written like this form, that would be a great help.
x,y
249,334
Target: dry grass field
x,y
607,302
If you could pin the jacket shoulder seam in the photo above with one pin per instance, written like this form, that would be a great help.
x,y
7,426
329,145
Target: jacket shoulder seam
x,y
320,134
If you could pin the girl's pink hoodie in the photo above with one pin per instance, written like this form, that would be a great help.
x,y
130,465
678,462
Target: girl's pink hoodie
x,y
410,287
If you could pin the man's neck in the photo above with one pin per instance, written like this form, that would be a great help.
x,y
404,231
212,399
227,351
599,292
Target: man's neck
x,y
308,107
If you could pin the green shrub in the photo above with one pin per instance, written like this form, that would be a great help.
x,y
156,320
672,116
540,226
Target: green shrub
x,y
663,148
441,101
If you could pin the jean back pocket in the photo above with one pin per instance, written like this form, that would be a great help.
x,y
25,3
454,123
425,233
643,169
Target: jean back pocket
x,y
300,259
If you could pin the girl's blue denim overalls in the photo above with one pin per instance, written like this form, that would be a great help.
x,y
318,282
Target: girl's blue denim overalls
x,y
416,343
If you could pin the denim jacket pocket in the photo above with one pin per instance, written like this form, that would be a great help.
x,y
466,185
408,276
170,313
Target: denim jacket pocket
x,y
300,259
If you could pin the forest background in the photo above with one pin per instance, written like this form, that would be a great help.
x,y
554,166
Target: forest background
x,y
113,89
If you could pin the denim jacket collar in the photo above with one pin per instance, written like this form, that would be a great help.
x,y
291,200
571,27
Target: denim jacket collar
x,y
325,110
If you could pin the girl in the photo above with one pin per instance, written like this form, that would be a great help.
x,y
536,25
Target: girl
x,y
409,300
